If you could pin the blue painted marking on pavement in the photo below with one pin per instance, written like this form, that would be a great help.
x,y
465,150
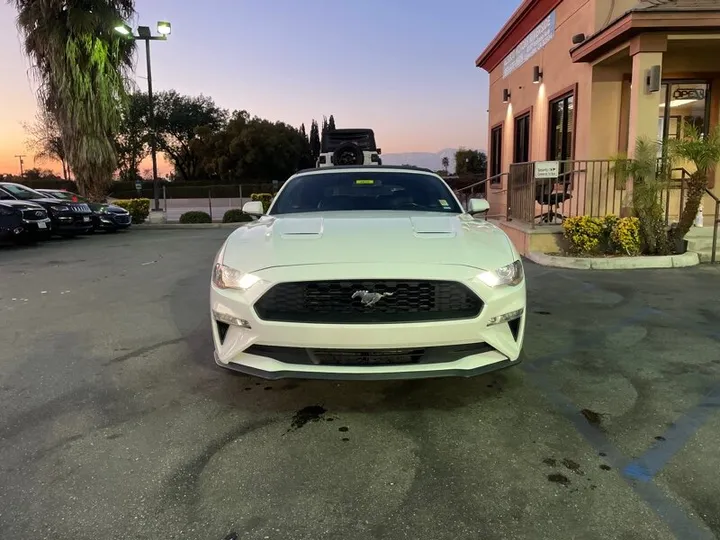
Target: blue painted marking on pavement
x,y
678,521
676,437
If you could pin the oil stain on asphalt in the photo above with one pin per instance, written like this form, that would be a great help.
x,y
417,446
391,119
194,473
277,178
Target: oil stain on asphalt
x,y
312,413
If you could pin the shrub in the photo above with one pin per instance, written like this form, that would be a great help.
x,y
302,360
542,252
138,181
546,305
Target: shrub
x,y
139,208
265,198
584,234
195,216
235,215
611,235
625,236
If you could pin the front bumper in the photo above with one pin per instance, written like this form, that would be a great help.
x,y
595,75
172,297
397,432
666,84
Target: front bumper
x,y
112,222
38,228
278,349
67,223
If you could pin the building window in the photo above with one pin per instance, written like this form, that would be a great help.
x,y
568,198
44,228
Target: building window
x,y
562,125
683,103
521,153
496,155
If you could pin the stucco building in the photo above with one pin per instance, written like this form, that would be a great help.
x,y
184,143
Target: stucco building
x,y
578,81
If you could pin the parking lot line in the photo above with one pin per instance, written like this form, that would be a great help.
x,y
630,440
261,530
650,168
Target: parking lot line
x,y
680,523
647,466
677,519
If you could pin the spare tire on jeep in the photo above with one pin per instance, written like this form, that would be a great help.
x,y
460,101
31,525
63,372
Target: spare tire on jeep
x,y
348,153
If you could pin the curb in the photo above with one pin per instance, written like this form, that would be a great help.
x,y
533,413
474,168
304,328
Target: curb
x,y
171,226
684,260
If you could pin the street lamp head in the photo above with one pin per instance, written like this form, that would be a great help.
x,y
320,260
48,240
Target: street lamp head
x,y
123,29
144,31
164,28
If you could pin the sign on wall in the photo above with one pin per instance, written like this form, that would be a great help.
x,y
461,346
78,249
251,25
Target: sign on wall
x,y
530,46
547,169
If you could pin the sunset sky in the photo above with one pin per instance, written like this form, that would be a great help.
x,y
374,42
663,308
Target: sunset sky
x,y
403,67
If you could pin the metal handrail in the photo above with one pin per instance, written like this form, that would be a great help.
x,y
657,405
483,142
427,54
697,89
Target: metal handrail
x,y
716,223
483,181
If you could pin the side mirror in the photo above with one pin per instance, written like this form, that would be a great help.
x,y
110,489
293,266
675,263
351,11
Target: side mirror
x,y
478,206
253,208
379,151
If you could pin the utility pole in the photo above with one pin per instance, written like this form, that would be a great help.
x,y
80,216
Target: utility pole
x,y
20,157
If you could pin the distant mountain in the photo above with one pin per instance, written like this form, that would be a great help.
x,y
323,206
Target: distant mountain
x,y
428,160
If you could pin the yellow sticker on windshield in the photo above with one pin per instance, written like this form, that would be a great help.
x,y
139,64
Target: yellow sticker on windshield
x,y
443,203
365,182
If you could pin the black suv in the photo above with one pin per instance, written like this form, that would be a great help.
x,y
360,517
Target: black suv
x,y
106,217
23,222
68,219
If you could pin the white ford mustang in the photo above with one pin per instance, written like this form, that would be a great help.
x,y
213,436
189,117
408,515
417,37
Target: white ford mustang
x,y
367,273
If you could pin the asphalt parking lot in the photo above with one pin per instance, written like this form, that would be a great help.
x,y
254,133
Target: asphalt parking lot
x,y
116,423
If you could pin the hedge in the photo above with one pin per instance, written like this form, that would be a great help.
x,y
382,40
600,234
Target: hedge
x,y
195,216
139,208
189,190
235,215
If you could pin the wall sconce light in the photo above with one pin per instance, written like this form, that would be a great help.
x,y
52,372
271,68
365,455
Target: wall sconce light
x,y
506,95
653,79
537,75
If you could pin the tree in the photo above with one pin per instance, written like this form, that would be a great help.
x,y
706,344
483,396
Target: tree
x,y
45,139
445,164
81,65
470,162
302,130
132,139
648,185
177,120
331,123
324,127
252,148
703,151
314,141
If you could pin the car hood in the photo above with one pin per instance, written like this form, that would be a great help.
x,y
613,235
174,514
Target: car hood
x,y
50,201
368,237
20,204
112,209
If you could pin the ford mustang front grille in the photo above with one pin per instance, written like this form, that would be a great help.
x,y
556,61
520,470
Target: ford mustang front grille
x,y
368,302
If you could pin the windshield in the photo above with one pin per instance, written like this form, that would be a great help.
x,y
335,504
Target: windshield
x,y
22,193
66,196
365,190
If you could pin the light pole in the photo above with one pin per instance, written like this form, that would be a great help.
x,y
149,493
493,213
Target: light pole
x,y
20,157
144,34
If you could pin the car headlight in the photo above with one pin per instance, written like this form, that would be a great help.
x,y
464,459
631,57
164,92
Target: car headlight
x,y
509,275
59,208
225,277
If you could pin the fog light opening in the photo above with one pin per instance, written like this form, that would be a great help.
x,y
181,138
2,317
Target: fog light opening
x,y
222,330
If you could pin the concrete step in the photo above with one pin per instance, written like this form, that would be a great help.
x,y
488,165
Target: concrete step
x,y
706,255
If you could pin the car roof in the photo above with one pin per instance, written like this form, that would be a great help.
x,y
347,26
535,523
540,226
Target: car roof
x,y
376,168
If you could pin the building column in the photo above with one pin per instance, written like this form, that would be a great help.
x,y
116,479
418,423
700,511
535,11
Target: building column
x,y
647,51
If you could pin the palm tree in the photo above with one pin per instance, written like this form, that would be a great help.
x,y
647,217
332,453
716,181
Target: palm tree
x,y
81,66
445,163
703,151
648,186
